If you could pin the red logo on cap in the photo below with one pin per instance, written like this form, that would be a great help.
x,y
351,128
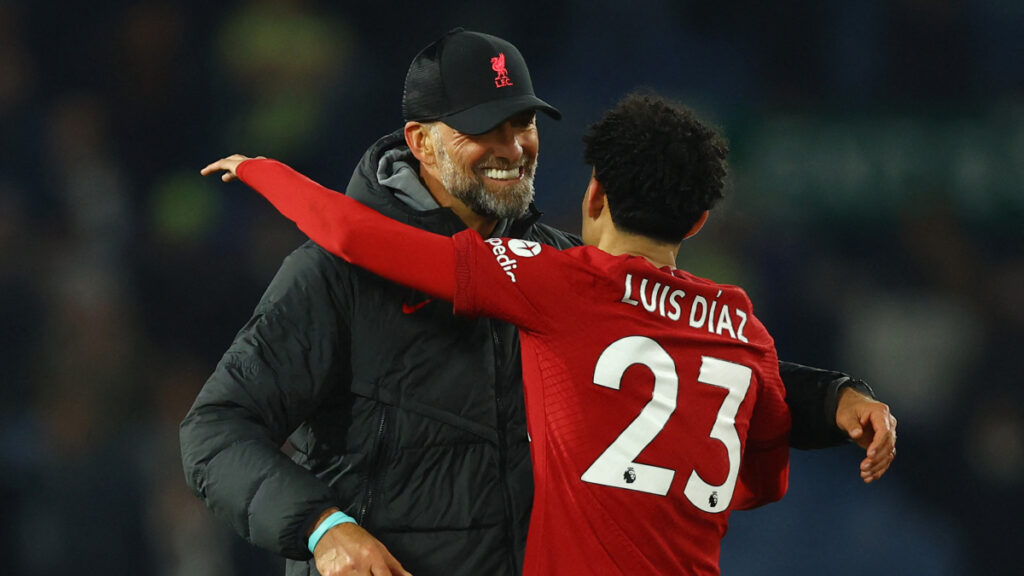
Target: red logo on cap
x,y
498,65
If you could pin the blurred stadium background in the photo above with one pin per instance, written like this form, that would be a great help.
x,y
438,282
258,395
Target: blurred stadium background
x,y
876,218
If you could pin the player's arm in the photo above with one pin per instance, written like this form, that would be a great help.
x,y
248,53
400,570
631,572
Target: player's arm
x,y
763,476
764,470
401,253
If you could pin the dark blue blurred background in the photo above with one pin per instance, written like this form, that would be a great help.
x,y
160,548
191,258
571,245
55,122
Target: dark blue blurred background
x,y
876,217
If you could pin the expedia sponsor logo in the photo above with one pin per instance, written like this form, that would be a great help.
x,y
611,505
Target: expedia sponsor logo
x,y
503,254
523,248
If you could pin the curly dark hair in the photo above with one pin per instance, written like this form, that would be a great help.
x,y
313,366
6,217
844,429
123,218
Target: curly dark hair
x,y
660,166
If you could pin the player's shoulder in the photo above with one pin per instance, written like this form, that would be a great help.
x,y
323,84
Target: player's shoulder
x,y
730,301
730,291
513,252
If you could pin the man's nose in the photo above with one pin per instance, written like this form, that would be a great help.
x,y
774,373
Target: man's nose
x,y
505,141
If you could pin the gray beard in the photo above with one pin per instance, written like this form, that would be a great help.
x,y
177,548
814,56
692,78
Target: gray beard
x,y
469,189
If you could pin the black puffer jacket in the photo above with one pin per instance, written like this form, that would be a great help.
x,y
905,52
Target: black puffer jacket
x,y
407,418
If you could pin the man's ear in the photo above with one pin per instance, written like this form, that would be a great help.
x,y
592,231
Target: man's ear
x,y
417,137
595,198
698,225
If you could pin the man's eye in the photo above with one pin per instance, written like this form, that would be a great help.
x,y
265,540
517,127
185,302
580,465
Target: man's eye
x,y
524,121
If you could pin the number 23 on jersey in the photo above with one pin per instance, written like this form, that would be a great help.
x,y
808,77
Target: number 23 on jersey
x,y
617,466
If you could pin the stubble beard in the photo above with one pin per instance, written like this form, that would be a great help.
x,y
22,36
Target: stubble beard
x,y
468,187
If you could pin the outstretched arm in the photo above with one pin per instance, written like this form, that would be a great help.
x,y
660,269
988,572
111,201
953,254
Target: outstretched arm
x,y
345,228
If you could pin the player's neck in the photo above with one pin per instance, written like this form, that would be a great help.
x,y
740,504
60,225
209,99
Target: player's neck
x,y
659,254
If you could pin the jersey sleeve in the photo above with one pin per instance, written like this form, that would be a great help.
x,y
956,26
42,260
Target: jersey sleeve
x,y
764,470
401,253
519,281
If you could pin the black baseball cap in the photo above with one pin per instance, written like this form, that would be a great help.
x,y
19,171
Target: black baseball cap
x,y
470,81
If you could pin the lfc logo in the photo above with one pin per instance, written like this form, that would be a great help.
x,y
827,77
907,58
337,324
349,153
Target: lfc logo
x,y
498,65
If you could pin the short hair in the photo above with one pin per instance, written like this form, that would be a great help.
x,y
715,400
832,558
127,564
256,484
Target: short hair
x,y
660,166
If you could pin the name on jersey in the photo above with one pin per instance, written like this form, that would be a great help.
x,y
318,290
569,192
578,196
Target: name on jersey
x,y
698,311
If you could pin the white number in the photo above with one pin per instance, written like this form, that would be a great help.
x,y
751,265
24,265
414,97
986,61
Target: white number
x,y
736,379
617,466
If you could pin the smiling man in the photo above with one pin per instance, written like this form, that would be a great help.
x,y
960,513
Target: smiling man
x,y
630,476
408,423
497,181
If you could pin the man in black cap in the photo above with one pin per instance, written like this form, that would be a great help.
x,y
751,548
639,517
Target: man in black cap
x,y
407,422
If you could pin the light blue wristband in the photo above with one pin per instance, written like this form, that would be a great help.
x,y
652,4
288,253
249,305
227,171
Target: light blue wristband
x,y
328,523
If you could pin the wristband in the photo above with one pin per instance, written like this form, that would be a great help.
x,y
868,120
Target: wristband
x,y
860,386
328,523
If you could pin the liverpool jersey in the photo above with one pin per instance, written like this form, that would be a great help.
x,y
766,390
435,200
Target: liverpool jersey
x,y
653,398
653,401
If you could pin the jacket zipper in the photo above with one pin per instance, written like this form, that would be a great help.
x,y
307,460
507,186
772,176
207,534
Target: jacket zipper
x,y
510,521
376,464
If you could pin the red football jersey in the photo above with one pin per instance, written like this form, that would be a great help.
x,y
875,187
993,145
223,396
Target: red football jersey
x,y
653,397
647,392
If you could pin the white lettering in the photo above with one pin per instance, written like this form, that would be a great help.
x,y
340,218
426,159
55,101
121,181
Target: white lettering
x,y
702,303
506,262
705,312
711,314
629,291
650,307
725,322
673,301
743,322
711,317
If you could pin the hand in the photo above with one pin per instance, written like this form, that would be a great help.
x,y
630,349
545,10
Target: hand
x,y
869,423
228,165
349,550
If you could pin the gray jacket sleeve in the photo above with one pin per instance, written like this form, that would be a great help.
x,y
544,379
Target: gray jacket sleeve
x,y
280,367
